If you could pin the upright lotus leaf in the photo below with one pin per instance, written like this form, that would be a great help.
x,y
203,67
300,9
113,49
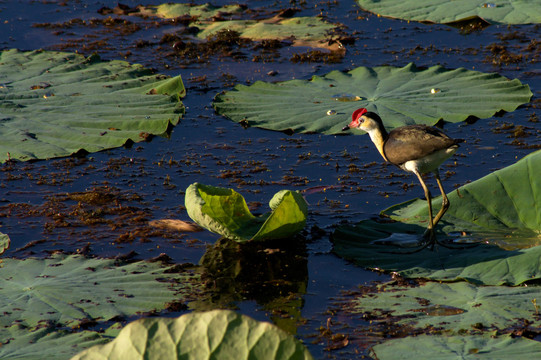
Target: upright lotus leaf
x,y
201,12
19,342
217,334
69,289
452,307
485,347
443,11
401,96
502,208
4,243
224,212
55,104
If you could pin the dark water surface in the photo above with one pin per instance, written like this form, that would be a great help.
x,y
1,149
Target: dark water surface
x,y
205,147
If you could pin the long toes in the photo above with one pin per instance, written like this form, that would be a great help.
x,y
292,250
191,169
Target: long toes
x,y
429,237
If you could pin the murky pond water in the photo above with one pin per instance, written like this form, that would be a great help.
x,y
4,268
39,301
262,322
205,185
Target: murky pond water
x,y
290,283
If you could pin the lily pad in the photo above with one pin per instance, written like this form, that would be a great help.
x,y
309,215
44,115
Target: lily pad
x,y
218,334
458,347
401,96
224,212
55,104
500,208
443,11
71,289
453,307
19,342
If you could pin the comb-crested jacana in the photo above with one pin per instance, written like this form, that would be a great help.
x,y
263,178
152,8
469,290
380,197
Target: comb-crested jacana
x,y
419,149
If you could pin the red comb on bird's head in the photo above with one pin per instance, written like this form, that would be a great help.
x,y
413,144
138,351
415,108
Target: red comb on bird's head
x,y
357,113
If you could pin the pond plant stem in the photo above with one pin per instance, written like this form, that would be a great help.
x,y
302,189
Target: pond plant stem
x,y
419,149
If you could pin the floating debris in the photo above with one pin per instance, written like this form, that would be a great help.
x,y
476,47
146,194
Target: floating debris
x,y
331,112
489,5
435,91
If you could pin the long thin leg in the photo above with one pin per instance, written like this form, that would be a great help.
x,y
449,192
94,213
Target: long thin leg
x,y
429,235
445,201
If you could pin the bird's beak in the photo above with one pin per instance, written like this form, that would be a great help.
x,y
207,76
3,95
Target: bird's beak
x,y
353,124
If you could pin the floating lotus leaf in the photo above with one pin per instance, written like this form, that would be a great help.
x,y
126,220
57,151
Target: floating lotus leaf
x,y
19,342
217,334
55,104
500,208
201,12
443,11
224,211
458,347
4,243
400,96
453,307
69,289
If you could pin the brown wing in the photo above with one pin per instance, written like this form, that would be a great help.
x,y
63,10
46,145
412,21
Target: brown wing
x,y
414,142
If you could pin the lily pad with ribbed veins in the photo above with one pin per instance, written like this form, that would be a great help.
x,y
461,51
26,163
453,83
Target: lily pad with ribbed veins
x,y
71,289
444,11
401,96
217,334
452,307
55,104
18,342
224,211
479,347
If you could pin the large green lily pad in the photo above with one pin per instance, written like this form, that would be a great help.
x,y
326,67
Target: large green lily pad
x,y
218,334
19,342
71,289
55,104
453,307
443,11
500,208
224,211
400,96
458,347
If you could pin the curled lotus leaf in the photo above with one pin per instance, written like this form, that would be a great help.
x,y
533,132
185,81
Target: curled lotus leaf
x,y
225,212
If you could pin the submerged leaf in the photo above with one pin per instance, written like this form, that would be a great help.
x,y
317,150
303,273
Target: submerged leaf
x,y
401,96
55,104
500,208
70,289
224,211
458,347
218,334
444,11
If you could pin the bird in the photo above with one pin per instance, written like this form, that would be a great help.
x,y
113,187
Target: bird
x,y
419,149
